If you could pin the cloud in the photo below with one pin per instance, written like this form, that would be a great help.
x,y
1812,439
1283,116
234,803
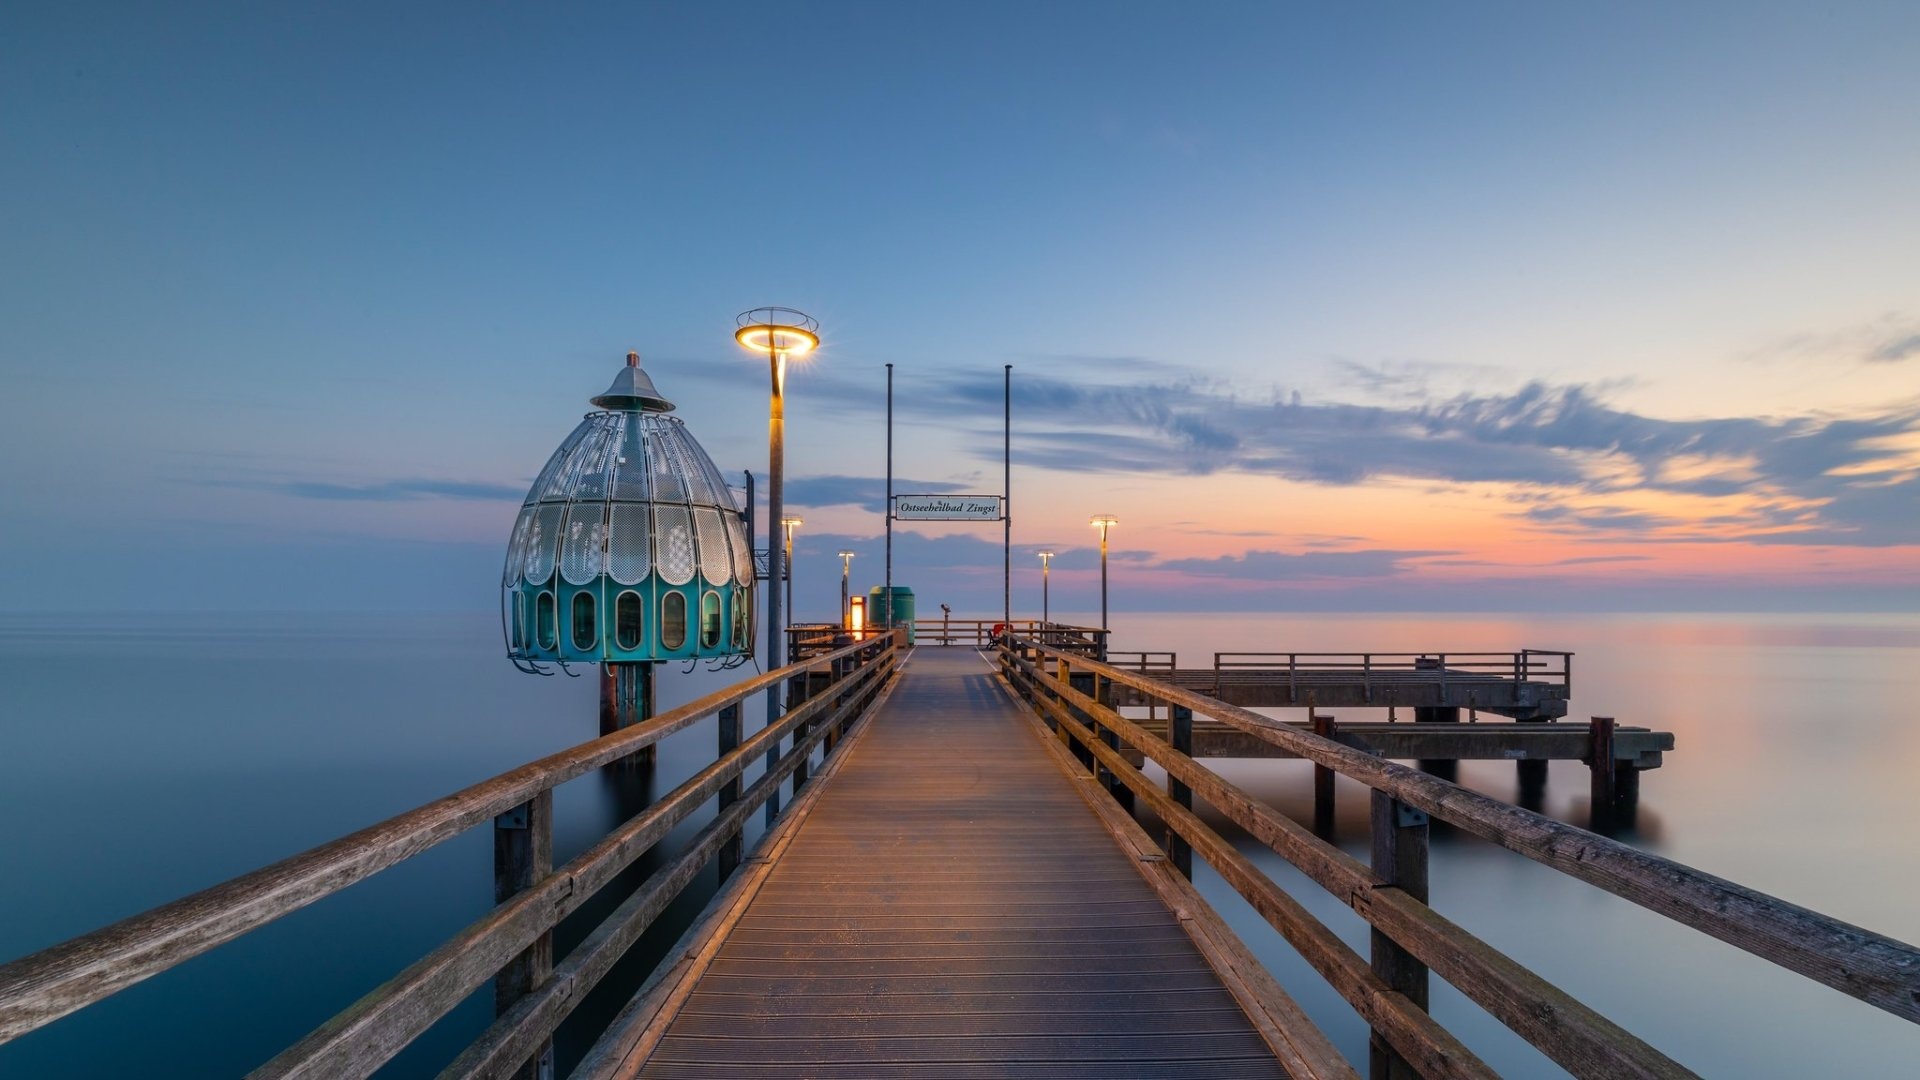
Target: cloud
x,y
1588,560
1285,566
1896,350
867,492
1816,478
400,490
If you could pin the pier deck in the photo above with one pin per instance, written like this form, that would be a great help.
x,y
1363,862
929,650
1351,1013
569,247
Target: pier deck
x,y
950,903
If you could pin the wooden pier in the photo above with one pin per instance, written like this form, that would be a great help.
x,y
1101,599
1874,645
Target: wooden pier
x,y
953,904
957,886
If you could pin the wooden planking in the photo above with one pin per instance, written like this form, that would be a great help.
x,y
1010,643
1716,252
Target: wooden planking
x,y
953,907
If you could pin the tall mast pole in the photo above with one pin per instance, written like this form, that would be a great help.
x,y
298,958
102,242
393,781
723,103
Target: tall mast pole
x,y
889,498
1006,505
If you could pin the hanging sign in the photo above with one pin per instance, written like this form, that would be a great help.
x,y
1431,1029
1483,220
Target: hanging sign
x,y
947,507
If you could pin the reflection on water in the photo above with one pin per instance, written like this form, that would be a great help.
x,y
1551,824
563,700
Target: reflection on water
x,y
1796,749
151,757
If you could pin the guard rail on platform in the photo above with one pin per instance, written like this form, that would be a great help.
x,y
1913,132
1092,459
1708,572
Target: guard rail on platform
x,y
1528,665
979,634
512,944
1389,988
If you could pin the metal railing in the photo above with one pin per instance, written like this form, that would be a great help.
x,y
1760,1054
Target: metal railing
x,y
512,944
1389,988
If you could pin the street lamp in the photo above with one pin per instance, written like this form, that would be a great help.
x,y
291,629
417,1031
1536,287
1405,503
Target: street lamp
x,y
1103,522
1046,561
846,567
780,333
791,523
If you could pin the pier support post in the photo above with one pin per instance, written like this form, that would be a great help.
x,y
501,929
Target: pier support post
x,y
1626,795
729,723
626,699
1323,798
1444,768
1180,737
522,856
1399,861
1531,774
1601,764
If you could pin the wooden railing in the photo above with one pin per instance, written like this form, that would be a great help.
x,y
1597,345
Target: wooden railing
x,y
978,633
512,944
1527,665
1164,662
1389,988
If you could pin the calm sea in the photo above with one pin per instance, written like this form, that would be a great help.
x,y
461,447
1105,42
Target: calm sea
x,y
144,758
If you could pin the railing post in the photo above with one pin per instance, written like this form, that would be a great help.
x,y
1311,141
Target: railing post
x,y
729,723
1180,736
1323,797
799,689
1116,787
1399,861
1082,683
522,856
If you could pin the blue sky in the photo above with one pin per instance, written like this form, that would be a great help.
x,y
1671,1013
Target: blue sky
x,y
1504,305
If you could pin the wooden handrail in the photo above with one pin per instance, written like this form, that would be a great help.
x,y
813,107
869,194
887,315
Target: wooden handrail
x,y
1524,665
533,1018
1407,1027
1879,970
37,989
1569,1032
368,1033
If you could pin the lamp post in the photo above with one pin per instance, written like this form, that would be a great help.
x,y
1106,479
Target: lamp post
x,y
1103,522
791,524
846,567
1046,563
779,333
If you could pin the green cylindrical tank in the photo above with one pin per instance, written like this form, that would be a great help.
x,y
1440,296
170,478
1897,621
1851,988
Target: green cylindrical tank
x,y
902,608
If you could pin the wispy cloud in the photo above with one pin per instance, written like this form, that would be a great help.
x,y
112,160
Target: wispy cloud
x,y
1812,479
398,490
867,492
1895,350
1287,566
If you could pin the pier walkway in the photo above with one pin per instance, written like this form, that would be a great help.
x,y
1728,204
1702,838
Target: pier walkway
x,y
950,903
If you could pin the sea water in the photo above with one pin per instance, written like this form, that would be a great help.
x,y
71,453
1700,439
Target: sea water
x,y
144,758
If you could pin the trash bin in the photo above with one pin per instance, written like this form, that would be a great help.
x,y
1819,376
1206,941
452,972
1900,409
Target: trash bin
x,y
902,608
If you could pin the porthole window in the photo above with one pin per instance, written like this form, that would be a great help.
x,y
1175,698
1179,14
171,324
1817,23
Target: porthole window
x,y
740,607
519,622
673,620
546,621
710,624
586,632
629,620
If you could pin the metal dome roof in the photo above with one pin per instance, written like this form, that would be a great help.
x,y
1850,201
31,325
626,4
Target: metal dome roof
x,y
628,493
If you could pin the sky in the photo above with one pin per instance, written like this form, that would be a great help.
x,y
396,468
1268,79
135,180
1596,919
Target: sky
x,y
1382,307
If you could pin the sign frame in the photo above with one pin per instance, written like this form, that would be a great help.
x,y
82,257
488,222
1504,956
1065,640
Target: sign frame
x,y
963,507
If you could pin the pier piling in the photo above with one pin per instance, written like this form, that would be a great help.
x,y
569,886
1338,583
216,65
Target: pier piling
x,y
1323,796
